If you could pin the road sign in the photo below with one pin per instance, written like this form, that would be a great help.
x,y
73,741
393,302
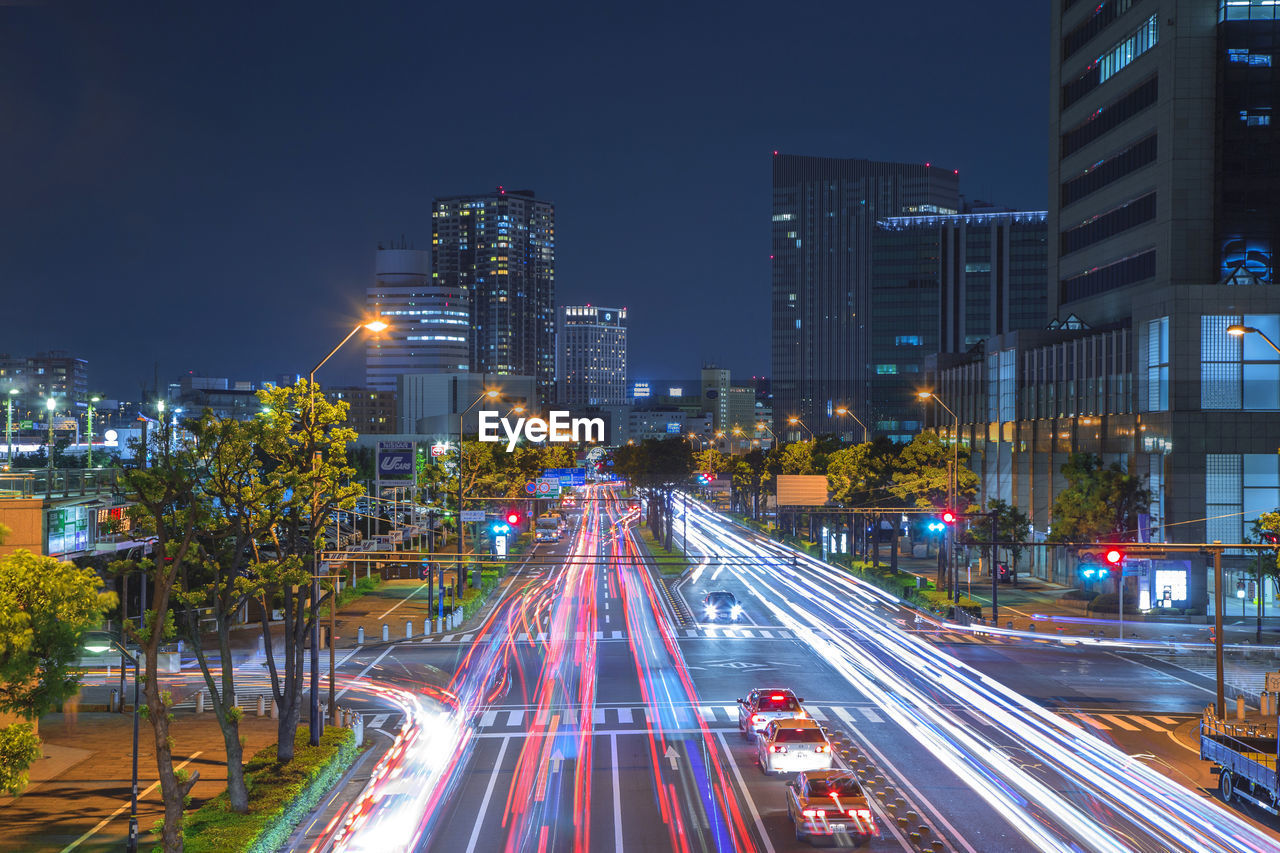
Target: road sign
x,y
546,486
531,487
473,515
567,476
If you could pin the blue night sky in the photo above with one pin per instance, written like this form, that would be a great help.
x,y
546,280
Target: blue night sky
x,y
203,185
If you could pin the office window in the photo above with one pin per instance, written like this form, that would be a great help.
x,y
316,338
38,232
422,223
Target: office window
x,y
1108,171
1224,503
1220,364
1112,61
1117,274
1094,24
1155,349
1128,215
908,341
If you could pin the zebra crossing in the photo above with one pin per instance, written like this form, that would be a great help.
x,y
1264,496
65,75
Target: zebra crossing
x,y
708,632
641,718
526,637
1097,721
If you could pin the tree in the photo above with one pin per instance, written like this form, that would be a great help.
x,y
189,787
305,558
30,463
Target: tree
x,y
1012,525
167,508
750,474
45,607
712,461
793,458
303,444
1099,503
922,473
657,467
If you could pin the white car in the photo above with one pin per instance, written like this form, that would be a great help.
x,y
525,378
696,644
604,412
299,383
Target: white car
x,y
765,704
793,746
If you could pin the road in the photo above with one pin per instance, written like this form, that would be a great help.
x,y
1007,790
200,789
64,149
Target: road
x,y
581,716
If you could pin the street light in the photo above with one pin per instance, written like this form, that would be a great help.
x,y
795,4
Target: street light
x,y
316,723
953,482
1237,331
795,421
8,430
89,429
100,642
50,404
844,410
692,436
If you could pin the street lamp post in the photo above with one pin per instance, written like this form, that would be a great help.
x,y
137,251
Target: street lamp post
x,y
100,642
794,421
491,394
844,410
762,426
8,430
316,723
50,404
953,487
89,430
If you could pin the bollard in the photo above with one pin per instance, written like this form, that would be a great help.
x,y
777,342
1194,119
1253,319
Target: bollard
x,y
115,697
262,705
891,809
386,632
915,839
937,847
889,792
360,636
1239,708
200,702
1031,627
1009,625
408,629
903,823
923,831
913,817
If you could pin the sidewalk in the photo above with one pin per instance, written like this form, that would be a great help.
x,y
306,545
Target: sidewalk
x,y
79,792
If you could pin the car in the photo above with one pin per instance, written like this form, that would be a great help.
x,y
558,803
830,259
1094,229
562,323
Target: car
x,y
793,745
764,705
721,605
830,804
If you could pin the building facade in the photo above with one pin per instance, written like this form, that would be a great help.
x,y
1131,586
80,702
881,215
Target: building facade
x,y
429,323
1160,231
591,356
499,249
825,211
943,284
369,411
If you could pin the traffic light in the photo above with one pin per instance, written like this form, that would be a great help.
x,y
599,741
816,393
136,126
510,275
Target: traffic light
x,y
1098,563
500,527
1113,557
424,571
948,517
513,517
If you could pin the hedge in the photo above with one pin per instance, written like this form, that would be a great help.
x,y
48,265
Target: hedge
x,y
671,562
1109,602
362,586
279,797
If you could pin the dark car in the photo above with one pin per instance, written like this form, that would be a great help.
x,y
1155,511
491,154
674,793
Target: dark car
x,y
721,606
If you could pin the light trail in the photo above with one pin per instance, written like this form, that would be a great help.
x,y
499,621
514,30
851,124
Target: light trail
x,y
1083,793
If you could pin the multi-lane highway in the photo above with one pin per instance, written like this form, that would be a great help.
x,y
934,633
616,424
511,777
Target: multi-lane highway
x,y
582,716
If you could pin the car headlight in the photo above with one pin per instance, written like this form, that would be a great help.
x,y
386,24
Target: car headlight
x,y
711,611
735,611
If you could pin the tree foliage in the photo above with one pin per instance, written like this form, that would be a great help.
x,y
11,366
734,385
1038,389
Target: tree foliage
x,y
922,473
1099,504
1012,525
19,749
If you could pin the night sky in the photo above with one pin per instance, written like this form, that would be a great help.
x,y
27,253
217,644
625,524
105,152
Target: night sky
x,y
203,186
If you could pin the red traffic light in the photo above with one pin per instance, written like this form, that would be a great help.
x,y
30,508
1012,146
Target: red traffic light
x,y
948,517
1113,556
513,517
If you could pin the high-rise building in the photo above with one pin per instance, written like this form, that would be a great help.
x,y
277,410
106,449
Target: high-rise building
x,y
824,218
943,284
369,412
591,356
429,322
55,373
499,249
1163,218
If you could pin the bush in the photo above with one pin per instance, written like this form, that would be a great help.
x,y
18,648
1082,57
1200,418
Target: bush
x,y
1076,594
1166,611
1109,602
279,797
1193,611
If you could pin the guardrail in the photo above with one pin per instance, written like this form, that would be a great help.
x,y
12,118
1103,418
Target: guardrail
x,y
58,483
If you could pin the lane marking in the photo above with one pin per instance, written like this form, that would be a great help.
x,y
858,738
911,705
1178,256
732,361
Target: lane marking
x,y
742,786
871,715
364,672
488,718
617,798
106,820
378,720
624,715
488,792
1129,727
1144,721
514,718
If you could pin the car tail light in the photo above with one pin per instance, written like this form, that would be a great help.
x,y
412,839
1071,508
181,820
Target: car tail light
x,y
820,748
861,814
755,718
777,697
815,813
776,748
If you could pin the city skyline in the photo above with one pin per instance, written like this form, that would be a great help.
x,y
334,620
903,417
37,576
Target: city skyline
x,y
196,188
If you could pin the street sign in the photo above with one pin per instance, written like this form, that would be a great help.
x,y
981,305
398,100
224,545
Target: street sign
x,y
531,487
395,461
567,476
547,486
473,515
440,449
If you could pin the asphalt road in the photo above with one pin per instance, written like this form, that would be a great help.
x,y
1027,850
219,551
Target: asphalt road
x,y
604,725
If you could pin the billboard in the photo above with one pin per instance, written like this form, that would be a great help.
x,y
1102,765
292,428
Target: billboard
x,y
802,490
395,461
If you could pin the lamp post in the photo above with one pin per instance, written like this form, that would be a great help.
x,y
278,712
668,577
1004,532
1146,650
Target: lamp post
x,y
489,394
50,405
762,426
316,723
795,421
8,430
1237,331
844,410
89,429
100,642
953,486
693,436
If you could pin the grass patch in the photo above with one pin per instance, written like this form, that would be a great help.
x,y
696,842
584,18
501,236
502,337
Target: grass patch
x,y
669,562
279,797
350,592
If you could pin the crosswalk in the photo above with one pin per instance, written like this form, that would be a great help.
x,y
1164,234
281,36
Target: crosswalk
x,y
526,637
705,632
1100,722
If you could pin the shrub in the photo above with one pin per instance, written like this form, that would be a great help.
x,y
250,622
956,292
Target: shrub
x,y
279,797
1077,594
1109,602
1193,611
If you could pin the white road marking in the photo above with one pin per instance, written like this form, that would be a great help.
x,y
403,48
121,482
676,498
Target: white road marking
x,y
845,717
488,792
1119,722
378,720
615,635
817,713
624,715
364,672
742,786
706,713
1168,720
597,717
514,718
871,715
1145,722
488,718
403,600
106,820
617,798
1084,718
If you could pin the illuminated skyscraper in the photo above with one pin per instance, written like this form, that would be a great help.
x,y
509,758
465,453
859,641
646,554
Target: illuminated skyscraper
x,y
429,322
591,356
499,249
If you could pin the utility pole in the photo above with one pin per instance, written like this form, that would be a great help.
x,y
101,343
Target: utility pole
x,y
995,579
1217,626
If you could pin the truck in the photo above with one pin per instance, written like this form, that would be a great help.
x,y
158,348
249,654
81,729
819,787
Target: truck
x,y
1244,757
548,528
